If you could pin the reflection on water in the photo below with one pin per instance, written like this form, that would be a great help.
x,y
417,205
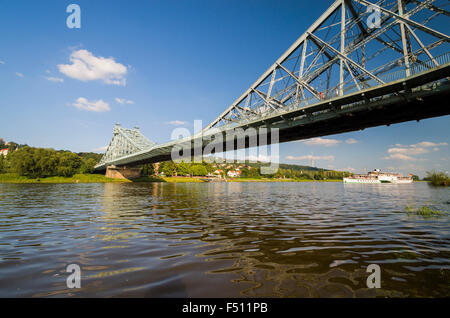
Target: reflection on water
x,y
222,240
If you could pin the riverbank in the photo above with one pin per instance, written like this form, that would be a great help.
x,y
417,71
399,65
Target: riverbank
x,y
98,178
77,178
93,178
279,180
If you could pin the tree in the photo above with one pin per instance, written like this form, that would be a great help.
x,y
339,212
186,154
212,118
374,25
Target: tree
x,y
148,169
199,170
12,146
69,163
183,169
88,165
34,162
40,162
2,164
88,155
208,166
169,168
250,173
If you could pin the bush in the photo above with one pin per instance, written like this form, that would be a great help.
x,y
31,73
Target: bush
x,y
438,179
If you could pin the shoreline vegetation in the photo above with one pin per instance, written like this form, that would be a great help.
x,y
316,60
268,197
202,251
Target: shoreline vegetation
x,y
24,164
438,179
97,178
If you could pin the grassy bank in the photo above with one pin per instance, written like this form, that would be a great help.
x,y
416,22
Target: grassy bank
x,y
91,178
77,178
98,178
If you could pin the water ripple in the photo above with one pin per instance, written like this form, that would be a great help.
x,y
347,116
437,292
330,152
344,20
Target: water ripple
x,y
251,239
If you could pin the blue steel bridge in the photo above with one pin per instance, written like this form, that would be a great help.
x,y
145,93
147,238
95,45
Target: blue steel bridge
x,y
360,64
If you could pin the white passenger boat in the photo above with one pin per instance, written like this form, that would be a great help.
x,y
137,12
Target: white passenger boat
x,y
376,176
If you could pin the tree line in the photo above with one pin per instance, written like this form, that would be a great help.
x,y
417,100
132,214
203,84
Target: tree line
x,y
41,162
170,169
248,170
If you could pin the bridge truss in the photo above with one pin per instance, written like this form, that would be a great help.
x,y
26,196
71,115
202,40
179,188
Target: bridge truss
x,y
354,45
125,141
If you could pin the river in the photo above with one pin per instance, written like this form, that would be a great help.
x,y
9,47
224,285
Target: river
x,y
222,240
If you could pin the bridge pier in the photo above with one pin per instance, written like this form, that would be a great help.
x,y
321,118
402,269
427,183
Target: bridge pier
x,y
123,172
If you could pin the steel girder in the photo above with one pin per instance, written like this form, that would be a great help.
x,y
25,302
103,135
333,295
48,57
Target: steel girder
x,y
408,33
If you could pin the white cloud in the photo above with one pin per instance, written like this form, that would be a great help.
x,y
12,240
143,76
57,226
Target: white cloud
x,y
399,156
55,79
87,67
19,74
123,101
311,157
100,149
176,123
2,62
92,106
351,141
429,144
408,151
321,142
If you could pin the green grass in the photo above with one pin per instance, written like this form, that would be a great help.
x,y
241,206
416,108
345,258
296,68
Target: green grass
x,y
77,178
424,211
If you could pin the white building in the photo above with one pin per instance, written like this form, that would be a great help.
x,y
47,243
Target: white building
x,y
233,173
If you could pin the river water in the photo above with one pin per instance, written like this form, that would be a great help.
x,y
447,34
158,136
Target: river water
x,y
222,240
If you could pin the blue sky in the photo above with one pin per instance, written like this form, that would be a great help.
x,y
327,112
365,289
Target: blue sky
x,y
183,60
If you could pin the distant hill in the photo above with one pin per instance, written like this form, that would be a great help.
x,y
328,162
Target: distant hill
x,y
300,167
259,164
